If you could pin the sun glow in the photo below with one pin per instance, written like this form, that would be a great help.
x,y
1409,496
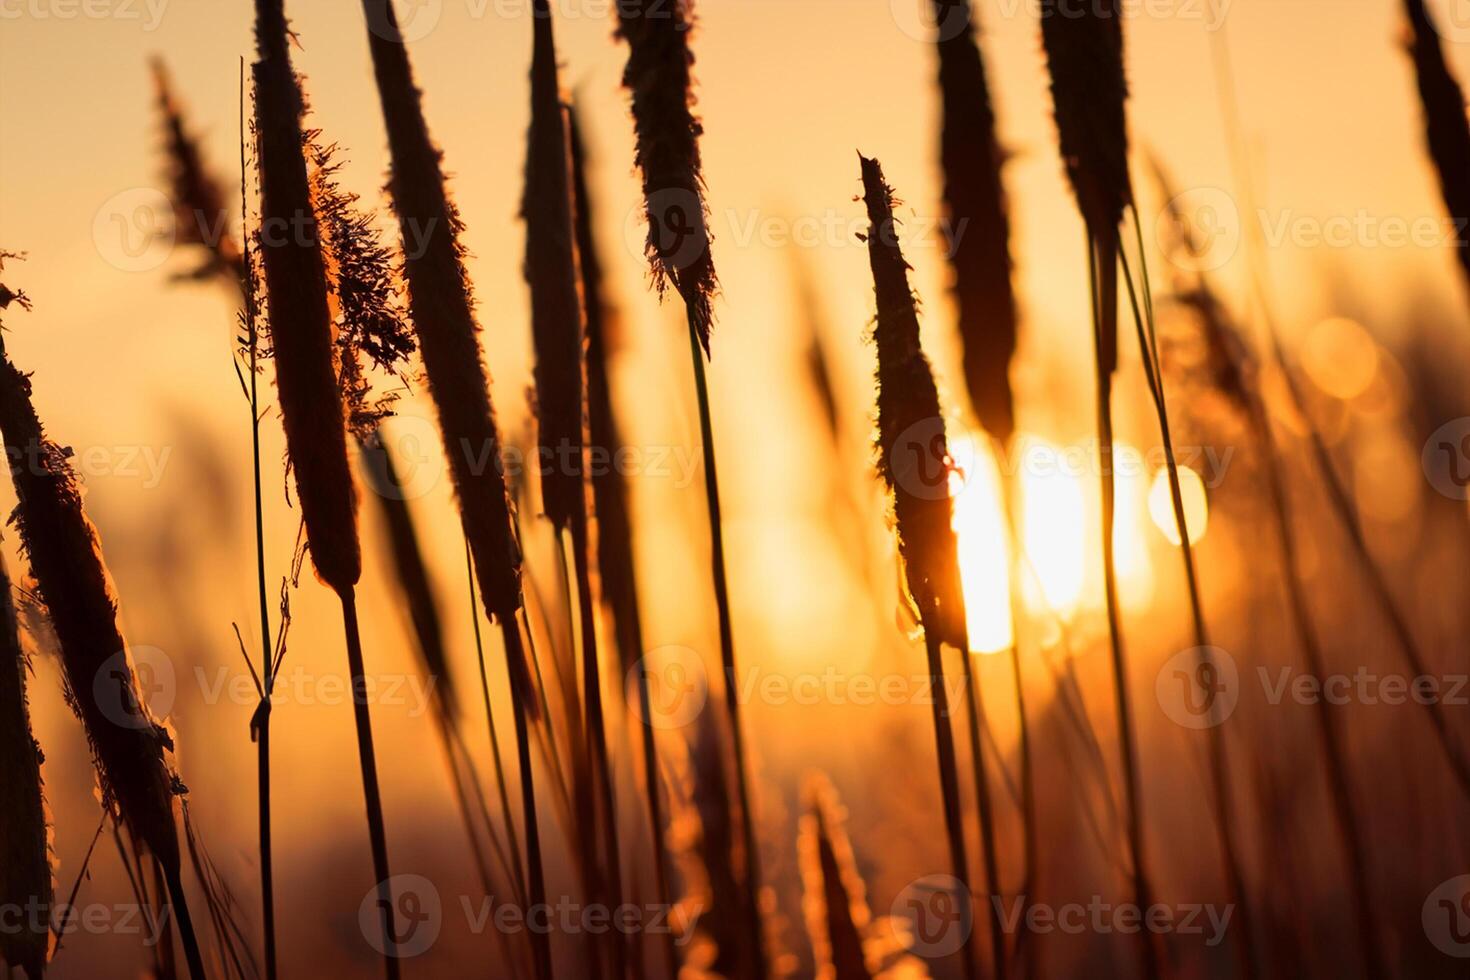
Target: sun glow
x,y
1196,505
984,545
1053,528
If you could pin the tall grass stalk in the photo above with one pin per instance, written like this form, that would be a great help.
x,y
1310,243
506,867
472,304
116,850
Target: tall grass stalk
x,y
1343,505
558,329
617,567
923,513
1222,796
971,156
412,576
311,402
658,76
1084,51
441,305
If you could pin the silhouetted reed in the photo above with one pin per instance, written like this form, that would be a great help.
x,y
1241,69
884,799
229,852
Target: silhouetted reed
x,y
441,306
25,846
910,425
307,384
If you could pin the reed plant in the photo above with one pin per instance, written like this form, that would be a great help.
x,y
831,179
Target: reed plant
x,y
441,307
659,78
923,513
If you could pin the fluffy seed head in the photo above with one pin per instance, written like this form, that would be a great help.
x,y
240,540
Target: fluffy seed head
x,y
658,77
979,224
441,305
1084,53
551,272
913,455
300,319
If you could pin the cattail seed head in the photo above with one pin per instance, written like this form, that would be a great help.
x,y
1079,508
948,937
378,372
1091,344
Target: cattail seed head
x,y
910,424
552,273
1084,53
659,78
979,223
299,315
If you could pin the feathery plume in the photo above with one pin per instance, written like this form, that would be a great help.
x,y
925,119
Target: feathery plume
x,y
201,216
659,77
25,848
979,221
